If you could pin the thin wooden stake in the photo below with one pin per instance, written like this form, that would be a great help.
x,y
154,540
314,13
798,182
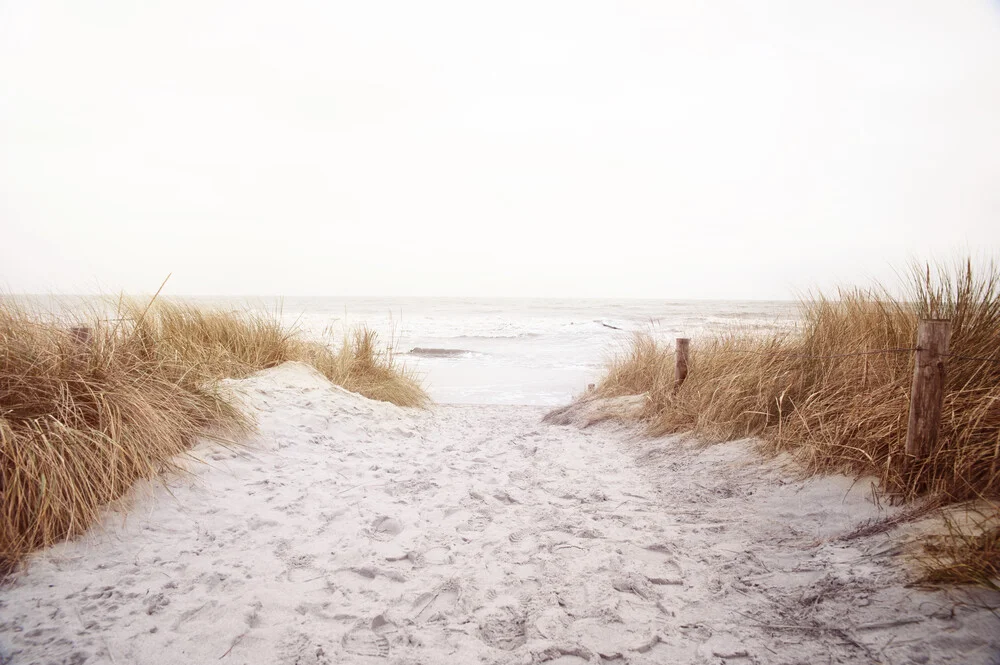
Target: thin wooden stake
x,y
927,393
681,353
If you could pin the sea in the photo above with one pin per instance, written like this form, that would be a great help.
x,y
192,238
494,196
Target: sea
x,y
503,350
515,351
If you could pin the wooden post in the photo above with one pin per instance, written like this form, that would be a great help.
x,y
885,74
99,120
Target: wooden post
x,y
81,335
927,393
681,352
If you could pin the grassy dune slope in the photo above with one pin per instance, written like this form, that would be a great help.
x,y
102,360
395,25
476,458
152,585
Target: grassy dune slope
x,y
798,392
81,421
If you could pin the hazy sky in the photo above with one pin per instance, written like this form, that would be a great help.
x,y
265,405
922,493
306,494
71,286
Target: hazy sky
x,y
631,148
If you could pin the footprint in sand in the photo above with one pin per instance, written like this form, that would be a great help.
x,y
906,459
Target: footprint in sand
x,y
435,605
503,496
520,536
612,642
385,528
503,629
154,604
303,574
564,656
408,488
658,563
551,623
575,597
637,584
435,556
302,650
354,573
475,524
438,556
363,641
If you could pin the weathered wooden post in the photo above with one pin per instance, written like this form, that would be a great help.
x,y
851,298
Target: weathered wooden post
x,y
927,392
81,335
681,351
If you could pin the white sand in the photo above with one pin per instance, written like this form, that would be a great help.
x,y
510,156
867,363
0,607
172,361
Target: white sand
x,y
351,531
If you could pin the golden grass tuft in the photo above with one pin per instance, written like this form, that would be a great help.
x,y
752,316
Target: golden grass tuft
x,y
361,366
799,392
969,551
234,343
81,421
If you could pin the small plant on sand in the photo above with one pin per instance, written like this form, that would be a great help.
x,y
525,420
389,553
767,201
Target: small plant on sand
x,y
360,365
969,553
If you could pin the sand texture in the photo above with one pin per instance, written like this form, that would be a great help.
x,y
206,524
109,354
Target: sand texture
x,y
353,531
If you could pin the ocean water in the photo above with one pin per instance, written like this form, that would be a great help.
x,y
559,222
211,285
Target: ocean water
x,y
515,351
502,351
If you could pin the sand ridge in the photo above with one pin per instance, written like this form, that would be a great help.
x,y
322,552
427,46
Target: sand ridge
x,y
353,531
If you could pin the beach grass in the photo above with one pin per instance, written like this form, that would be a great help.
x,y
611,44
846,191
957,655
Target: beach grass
x,y
968,552
220,344
84,415
808,392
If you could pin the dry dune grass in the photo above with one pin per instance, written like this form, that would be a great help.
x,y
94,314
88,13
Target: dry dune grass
x,y
82,420
969,551
800,392
218,344
360,365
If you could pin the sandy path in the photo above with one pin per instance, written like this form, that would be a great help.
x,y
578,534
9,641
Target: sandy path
x,y
352,531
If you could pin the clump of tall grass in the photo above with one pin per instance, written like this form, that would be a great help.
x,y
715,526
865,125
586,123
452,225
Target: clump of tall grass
x,y
81,421
234,343
83,418
360,365
968,552
808,393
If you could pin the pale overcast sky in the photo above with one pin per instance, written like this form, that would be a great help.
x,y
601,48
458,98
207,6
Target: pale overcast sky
x,y
628,148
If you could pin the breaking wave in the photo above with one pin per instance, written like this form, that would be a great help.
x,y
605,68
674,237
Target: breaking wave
x,y
429,352
512,335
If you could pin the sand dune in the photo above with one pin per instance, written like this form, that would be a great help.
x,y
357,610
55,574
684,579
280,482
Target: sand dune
x,y
353,531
